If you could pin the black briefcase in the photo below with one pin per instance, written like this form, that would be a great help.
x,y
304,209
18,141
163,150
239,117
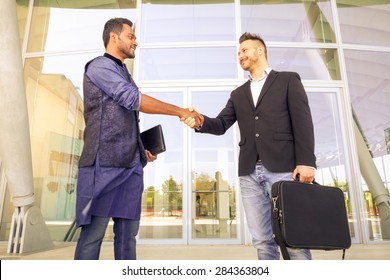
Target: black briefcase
x,y
309,216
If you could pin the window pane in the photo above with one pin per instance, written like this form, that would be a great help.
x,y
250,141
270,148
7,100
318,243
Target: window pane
x,y
22,10
329,148
291,21
78,26
369,91
364,22
187,21
68,67
327,129
55,110
188,63
162,204
313,64
213,174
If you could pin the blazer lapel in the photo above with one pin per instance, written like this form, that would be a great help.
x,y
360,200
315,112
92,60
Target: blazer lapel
x,y
248,94
268,82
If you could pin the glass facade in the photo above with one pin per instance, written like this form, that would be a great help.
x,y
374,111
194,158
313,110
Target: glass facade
x,y
289,21
187,55
364,22
187,21
208,63
367,60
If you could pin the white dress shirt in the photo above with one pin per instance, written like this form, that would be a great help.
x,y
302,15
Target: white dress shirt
x,y
257,85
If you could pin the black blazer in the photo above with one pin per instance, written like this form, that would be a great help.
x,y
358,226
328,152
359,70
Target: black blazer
x,y
278,130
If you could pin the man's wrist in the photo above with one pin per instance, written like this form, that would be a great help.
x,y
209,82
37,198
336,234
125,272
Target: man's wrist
x,y
307,166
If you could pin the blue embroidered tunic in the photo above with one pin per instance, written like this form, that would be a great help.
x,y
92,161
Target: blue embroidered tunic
x,y
110,179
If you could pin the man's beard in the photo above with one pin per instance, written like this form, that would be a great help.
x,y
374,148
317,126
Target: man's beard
x,y
125,50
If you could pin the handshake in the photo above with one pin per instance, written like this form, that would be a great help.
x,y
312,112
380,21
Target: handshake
x,y
192,118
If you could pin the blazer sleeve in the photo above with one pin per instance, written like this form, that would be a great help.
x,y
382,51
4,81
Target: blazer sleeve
x,y
220,124
301,121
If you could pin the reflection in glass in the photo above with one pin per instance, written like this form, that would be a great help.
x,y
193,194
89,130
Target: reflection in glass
x,y
312,64
329,150
326,118
369,93
213,174
22,10
188,63
364,22
70,67
56,120
187,21
73,27
289,21
162,203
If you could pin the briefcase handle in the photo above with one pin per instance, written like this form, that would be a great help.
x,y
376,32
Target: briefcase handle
x,y
313,182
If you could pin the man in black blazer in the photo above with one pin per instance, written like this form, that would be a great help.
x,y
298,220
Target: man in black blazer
x,y
277,138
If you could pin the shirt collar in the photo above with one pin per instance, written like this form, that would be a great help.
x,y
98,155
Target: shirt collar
x,y
118,61
265,74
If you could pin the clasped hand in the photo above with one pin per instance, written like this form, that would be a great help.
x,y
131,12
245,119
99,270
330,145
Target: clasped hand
x,y
192,118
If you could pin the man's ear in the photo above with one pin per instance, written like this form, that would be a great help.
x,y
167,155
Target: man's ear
x,y
113,36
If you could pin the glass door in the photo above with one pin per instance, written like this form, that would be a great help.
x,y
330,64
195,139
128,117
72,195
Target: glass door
x,y
214,183
191,189
165,180
331,147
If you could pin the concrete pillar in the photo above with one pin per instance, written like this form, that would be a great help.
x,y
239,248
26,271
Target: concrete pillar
x,y
15,145
15,149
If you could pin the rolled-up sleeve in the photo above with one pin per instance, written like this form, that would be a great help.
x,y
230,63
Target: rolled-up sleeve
x,y
114,82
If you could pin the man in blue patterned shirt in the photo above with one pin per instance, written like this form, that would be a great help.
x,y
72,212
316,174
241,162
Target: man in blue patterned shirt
x,y
110,181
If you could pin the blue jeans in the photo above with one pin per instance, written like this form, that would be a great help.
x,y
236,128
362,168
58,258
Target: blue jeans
x,y
91,238
256,198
